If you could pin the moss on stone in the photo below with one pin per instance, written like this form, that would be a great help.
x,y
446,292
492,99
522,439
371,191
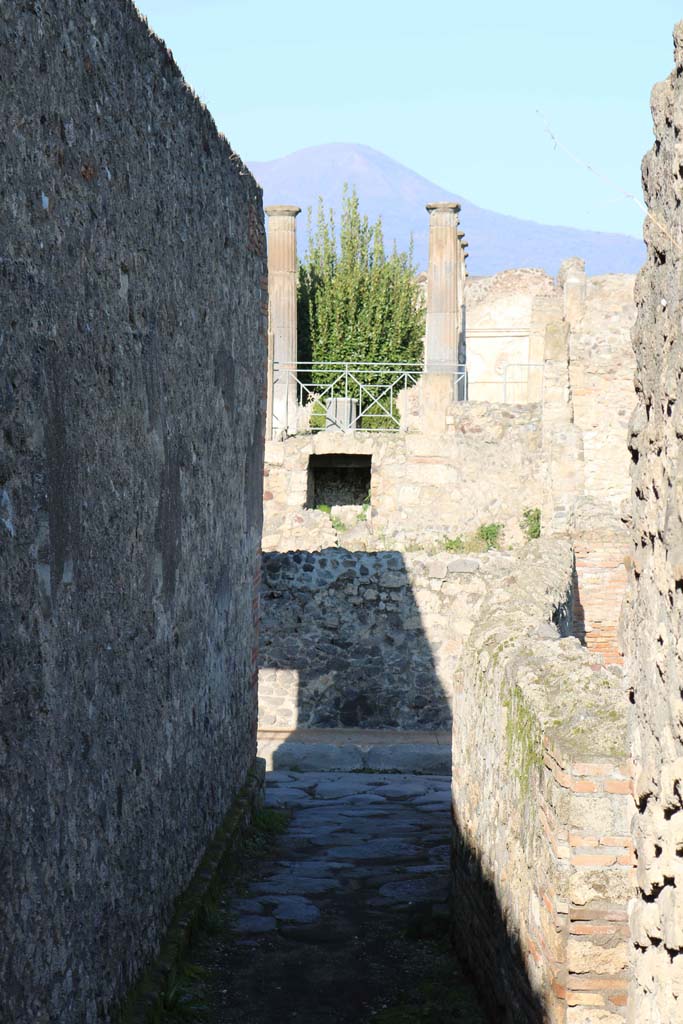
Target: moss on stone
x,y
524,750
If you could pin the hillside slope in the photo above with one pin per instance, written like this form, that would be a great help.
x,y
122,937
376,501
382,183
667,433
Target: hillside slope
x,y
497,242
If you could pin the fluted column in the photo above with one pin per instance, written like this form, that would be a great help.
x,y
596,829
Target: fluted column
x,y
282,283
462,312
443,287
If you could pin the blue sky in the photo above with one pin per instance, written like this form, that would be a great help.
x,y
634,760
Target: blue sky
x,y
452,90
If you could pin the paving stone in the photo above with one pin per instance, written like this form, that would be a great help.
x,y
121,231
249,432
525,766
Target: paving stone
x,y
284,796
289,885
296,909
411,890
355,800
401,790
253,924
375,849
434,800
351,786
246,906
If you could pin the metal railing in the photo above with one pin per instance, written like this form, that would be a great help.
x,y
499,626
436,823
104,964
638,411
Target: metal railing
x,y
346,396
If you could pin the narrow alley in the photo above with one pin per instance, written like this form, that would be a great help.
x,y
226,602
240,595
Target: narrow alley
x,y
345,919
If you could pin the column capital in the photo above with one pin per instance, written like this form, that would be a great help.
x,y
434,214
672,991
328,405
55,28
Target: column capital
x,y
443,207
282,211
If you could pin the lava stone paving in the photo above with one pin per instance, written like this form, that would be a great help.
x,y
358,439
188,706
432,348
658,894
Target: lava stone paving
x,y
346,920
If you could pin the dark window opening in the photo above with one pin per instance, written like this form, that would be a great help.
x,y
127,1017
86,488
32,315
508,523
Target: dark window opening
x,y
338,480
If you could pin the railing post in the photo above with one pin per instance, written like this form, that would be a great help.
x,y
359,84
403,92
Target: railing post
x,y
282,286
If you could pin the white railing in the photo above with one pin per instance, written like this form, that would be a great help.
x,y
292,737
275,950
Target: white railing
x,y
312,396
347,396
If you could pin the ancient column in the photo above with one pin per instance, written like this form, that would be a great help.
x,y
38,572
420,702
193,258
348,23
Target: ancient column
x,y
282,281
439,383
443,280
462,325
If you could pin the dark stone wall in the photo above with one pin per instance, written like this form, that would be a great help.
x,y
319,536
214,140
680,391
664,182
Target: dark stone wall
x,y
132,368
362,639
653,615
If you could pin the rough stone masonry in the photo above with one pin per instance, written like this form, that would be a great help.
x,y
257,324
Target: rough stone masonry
x,y
654,615
133,348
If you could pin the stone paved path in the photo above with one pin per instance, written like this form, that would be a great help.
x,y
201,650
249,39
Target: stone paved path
x,y
346,921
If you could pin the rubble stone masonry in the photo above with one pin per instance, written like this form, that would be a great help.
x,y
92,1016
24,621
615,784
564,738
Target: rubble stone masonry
x,y
654,614
133,347
366,639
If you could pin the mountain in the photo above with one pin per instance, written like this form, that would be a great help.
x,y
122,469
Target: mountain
x,y
497,241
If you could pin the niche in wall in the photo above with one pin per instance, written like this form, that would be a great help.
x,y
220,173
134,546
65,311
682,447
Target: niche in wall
x,y
338,480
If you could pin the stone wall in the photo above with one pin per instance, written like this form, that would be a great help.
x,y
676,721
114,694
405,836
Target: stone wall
x,y
501,333
365,640
487,468
654,624
587,399
542,858
132,329
602,366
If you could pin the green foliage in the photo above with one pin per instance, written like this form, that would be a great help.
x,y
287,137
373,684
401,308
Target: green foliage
x,y
454,544
355,302
268,821
323,508
490,534
531,523
487,536
183,999
363,514
318,416
338,524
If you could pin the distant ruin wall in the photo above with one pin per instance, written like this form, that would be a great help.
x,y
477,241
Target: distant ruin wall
x,y
132,338
542,863
654,615
587,400
487,468
602,366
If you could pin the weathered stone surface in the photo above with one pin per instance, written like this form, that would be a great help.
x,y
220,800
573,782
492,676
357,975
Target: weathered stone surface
x,y
485,469
541,801
131,430
366,640
654,622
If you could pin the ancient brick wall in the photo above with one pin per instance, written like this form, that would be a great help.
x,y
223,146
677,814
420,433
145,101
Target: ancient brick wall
x,y
542,858
132,331
600,542
654,623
